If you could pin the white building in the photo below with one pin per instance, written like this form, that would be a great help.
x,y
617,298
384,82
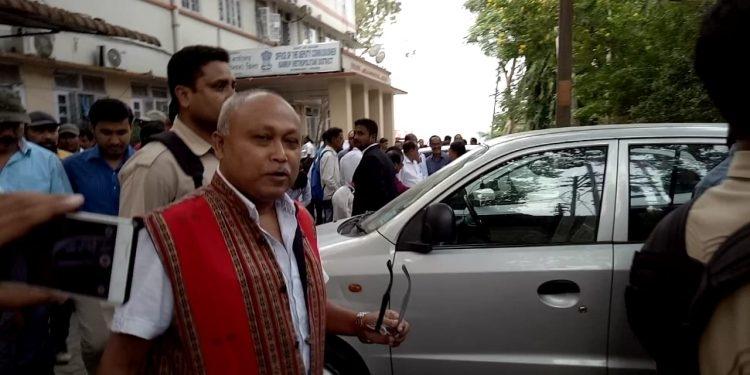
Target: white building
x,y
63,72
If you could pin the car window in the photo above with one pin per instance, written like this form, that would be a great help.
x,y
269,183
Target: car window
x,y
551,197
390,210
662,177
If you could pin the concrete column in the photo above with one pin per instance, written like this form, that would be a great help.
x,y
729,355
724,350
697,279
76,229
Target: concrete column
x,y
300,109
340,104
376,106
360,102
388,122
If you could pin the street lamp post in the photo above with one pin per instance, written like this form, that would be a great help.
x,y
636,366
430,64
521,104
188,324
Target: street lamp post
x,y
565,65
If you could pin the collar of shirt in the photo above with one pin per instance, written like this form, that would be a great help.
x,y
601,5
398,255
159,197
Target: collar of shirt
x,y
94,153
443,155
740,167
23,147
370,146
285,213
194,142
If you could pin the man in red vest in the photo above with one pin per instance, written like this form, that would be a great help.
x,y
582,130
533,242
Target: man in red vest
x,y
228,280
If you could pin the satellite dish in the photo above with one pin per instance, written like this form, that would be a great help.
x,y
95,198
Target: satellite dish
x,y
380,57
373,51
114,57
44,45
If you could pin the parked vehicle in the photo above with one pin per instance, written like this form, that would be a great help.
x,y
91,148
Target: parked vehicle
x,y
519,251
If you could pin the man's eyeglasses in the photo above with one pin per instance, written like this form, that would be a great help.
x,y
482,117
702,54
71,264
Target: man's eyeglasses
x,y
387,299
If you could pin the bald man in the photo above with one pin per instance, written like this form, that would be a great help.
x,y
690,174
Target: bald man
x,y
228,280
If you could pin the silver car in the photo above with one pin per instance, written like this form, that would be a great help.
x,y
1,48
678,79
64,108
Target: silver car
x,y
519,251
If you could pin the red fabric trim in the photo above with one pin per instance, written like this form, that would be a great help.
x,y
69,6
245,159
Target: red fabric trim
x,y
225,341
307,226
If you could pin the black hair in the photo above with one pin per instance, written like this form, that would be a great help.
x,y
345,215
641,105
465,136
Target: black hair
x,y
330,134
383,140
186,66
111,110
393,148
301,180
410,137
409,145
721,63
370,125
458,147
396,156
434,136
474,141
447,138
86,133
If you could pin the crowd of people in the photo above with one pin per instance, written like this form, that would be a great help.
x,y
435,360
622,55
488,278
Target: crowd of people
x,y
344,177
211,183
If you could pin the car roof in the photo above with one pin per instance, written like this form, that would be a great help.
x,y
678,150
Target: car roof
x,y
598,132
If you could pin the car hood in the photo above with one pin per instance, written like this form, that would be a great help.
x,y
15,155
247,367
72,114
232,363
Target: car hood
x,y
328,235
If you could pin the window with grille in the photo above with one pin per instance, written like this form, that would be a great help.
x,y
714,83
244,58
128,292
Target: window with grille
x,y
193,5
229,12
147,98
75,93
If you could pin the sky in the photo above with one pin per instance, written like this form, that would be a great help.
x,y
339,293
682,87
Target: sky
x,y
449,83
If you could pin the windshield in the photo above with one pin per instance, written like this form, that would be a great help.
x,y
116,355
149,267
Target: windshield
x,y
389,211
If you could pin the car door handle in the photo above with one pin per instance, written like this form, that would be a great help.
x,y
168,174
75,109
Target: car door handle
x,y
561,294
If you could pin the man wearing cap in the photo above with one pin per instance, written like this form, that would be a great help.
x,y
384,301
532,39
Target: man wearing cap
x,y
67,138
25,348
24,166
42,130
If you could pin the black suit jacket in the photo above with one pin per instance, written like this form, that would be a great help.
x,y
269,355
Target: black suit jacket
x,y
373,181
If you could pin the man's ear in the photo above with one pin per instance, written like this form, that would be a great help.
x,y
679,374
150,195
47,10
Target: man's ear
x,y
183,95
217,141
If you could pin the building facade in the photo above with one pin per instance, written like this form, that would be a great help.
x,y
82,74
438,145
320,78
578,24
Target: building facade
x,y
63,73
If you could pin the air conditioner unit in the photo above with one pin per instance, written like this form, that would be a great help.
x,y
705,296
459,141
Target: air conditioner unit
x,y
270,24
274,29
109,57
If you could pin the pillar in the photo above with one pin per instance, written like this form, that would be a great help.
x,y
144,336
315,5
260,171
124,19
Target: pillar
x,y
360,102
303,130
388,123
376,106
340,104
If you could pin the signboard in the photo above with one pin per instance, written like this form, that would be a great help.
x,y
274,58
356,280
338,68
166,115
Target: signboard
x,y
271,61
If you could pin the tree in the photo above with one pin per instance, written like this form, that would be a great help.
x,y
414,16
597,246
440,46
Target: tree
x,y
371,16
632,60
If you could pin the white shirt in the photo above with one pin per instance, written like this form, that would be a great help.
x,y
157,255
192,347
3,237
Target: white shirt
x,y
309,149
349,163
150,309
330,175
343,201
412,173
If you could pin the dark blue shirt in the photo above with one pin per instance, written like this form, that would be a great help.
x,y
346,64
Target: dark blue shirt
x,y
434,164
91,175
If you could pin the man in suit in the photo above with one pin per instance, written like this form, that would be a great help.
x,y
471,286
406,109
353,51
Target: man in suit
x,y
373,178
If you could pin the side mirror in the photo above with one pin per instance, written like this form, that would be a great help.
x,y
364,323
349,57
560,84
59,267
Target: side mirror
x,y
434,225
439,224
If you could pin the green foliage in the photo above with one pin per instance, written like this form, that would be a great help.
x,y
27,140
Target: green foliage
x,y
371,16
632,60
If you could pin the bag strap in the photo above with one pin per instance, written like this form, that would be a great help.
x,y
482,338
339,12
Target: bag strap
x,y
189,162
726,272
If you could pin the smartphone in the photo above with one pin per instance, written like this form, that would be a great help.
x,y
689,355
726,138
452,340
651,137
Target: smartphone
x,y
82,254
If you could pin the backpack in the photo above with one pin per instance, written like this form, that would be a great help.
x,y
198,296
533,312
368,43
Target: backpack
x,y
671,296
316,183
